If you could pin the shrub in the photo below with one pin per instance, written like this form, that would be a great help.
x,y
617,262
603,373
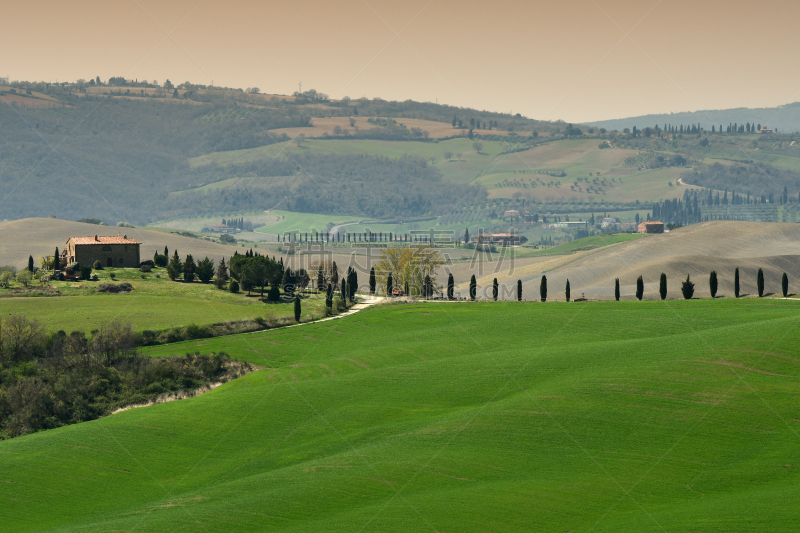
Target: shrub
x,y
74,267
234,286
113,288
112,276
274,293
95,278
148,262
145,268
687,288
160,260
86,272
193,331
97,265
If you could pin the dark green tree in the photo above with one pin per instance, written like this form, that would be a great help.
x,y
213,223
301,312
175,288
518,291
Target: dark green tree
x,y
30,263
687,288
495,289
406,289
234,286
329,296
343,286
785,285
736,283
712,283
760,282
221,274
166,251
662,286
616,289
519,290
174,267
389,285
428,287
56,265
466,236
288,282
450,286
189,268
205,270
372,281
543,289
566,291
297,308
473,287
320,281
639,288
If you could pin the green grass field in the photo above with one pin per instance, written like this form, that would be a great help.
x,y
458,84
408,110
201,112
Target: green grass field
x,y
602,417
291,221
581,244
154,304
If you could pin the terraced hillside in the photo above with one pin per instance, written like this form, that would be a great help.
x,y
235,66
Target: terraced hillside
x,y
602,417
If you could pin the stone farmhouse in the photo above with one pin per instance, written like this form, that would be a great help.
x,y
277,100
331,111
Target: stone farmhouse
x,y
651,226
120,252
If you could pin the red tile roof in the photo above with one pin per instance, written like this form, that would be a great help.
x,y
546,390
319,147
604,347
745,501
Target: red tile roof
x,y
103,240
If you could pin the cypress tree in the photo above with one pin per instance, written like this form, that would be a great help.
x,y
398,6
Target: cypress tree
x,y
473,287
30,263
567,290
372,281
320,281
736,283
616,289
639,288
519,290
712,283
760,283
56,266
297,308
785,285
166,251
543,289
662,286
450,286
344,291
687,288
406,288
428,287
390,285
329,296
494,289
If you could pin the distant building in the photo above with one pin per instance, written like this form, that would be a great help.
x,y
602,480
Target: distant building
x,y
511,213
629,227
222,228
653,226
502,239
110,251
764,129
578,225
607,221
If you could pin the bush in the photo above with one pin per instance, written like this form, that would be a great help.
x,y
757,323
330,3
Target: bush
x,y
110,287
86,272
74,267
274,293
97,265
148,262
145,268
112,276
95,278
234,286
160,260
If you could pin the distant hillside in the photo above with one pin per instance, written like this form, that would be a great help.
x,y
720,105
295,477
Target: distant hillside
x,y
785,118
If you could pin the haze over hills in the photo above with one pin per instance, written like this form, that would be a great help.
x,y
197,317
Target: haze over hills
x,y
785,118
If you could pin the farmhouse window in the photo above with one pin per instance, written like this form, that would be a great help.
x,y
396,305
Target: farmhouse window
x,y
109,262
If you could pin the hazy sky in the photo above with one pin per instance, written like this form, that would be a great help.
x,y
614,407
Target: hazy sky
x,y
575,60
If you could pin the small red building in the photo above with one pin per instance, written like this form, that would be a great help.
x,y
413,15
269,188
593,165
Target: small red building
x,y
651,226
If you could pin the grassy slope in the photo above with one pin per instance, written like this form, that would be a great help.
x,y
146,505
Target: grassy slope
x,y
456,171
303,221
154,304
633,416
583,244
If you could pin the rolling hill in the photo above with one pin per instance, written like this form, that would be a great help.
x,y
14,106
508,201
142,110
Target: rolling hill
x,y
623,417
785,118
694,250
